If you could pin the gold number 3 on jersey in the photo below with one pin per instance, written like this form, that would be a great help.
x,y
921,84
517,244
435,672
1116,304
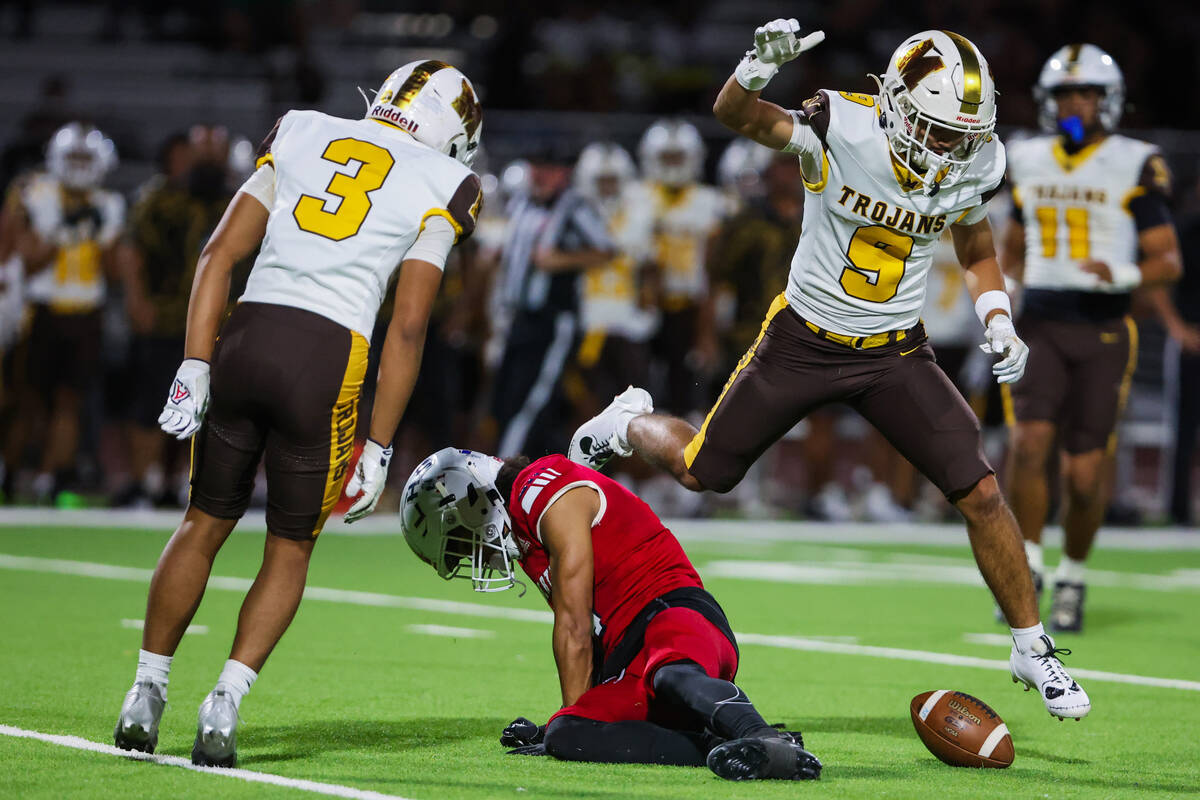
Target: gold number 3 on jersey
x,y
353,190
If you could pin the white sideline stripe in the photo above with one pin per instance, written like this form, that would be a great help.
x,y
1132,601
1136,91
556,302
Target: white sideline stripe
x,y
998,639
447,630
79,743
993,739
687,530
904,568
88,569
898,654
138,624
930,702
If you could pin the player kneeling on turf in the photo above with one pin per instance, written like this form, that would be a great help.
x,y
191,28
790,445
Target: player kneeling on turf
x,y
645,655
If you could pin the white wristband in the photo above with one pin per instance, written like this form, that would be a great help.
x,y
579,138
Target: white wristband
x,y
994,300
753,75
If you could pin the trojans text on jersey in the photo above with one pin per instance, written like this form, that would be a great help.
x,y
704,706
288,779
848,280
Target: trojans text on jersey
x,y
890,216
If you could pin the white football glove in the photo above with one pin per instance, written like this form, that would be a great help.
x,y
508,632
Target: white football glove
x,y
370,474
1002,340
775,44
187,400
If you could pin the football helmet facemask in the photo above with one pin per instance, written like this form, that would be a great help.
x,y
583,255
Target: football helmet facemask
x,y
671,152
453,516
436,104
937,106
80,156
1080,65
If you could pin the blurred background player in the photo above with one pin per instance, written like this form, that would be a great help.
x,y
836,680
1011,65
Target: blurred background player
x,y
686,215
288,368
1091,224
554,233
63,226
1184,329
645,656
176,212
847,328
617,307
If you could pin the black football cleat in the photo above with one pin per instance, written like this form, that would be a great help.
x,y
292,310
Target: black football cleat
x,y
1066,611
753,759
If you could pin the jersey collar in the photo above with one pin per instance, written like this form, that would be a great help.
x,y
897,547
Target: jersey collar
x,y
1070,161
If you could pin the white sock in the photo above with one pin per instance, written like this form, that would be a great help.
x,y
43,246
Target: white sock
x,y
236,678
153,667
1069,570
1033,554
1025,637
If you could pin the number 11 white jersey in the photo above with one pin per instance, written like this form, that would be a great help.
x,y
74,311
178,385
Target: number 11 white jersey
x,y
350,198
866,245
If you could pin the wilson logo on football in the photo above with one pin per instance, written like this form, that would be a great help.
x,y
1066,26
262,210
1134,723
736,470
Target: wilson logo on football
x,y
179,393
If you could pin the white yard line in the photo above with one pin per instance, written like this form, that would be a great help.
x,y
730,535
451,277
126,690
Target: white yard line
x,y
384,523
451,632
138,624
822,645
78,743
903,568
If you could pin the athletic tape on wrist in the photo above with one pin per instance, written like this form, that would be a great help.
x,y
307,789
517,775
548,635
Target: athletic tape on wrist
x,y
992,301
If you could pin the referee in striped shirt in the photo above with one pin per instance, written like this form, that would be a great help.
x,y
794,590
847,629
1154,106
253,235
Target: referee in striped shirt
x,y
554,233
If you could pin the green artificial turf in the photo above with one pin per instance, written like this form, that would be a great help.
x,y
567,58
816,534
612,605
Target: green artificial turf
x,y
353,697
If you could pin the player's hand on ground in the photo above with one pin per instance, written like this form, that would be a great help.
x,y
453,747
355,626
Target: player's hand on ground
x,y
370,474
522,732
187,401
1099,269
1002,340
779,41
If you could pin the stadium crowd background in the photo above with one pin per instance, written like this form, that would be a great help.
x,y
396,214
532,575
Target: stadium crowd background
x,y
186,90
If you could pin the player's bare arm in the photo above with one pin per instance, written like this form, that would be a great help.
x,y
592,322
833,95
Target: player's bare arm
x,y
739,106
416,289
566,530
553,260
1161,262
1012,260
238,233
976,251
974,246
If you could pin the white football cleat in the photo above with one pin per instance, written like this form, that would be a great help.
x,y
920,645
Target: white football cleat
x,y
216,731
1040,669
596,441
137,727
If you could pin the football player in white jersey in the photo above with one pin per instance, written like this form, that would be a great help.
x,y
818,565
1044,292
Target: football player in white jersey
x,y
687,215
64,227
1091,224
338,205
885,175
616,317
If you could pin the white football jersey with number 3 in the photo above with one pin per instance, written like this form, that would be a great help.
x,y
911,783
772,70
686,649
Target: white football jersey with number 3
x,y
350,198
864,255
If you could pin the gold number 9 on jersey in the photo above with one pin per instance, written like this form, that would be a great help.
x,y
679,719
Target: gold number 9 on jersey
x,y
881,251
374,165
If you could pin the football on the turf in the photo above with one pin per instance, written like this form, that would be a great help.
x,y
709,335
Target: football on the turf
x,y
961,730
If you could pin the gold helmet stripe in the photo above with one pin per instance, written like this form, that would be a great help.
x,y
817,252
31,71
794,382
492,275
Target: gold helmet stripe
x,y
1073,54
972,79
413,83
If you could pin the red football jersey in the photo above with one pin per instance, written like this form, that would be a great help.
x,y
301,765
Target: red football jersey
x,y
636,558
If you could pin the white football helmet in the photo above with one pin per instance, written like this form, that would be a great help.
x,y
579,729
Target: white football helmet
x,y
452,514
671,152
937,105
435,103
1080,65
741,166
601,160
80,156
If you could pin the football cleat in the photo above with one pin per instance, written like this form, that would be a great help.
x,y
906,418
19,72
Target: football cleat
x,y
137,727
1040,669
754,759
1066,611
216,731
1038,583
596,441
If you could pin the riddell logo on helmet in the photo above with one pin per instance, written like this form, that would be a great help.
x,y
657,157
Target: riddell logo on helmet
x,y
393,115
972,120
